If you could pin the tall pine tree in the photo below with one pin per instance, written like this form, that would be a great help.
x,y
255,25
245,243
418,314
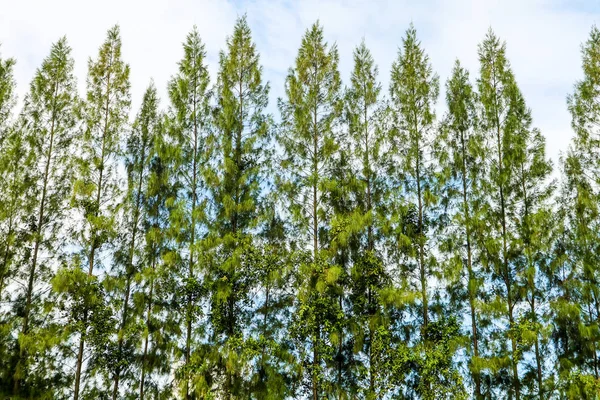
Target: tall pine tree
x,y
157,284
365,116
130,256
414,89
188,126
310,113
576,307
97,195
49,121
515,191
8,163
461,156
241,154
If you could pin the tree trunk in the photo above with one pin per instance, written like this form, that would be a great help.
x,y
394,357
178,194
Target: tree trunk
x,y
93,238
471,289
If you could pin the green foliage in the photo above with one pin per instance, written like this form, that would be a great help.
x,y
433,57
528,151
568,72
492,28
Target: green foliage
x,y
130,257
501,111
241,155
310,113
48,121
7,92
154,299
12,154
461,154
414,89
360,249
575,267
439,378
96,189
188,150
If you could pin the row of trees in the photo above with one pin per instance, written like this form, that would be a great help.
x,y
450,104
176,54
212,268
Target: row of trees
x,y
360,247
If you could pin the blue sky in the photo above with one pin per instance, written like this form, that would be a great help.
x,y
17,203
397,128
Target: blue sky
x,y
543,39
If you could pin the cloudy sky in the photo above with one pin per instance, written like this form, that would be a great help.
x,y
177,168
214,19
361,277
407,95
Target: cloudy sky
x,y
543,38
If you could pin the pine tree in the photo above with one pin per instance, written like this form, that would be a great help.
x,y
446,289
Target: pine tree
x,y
274,375
15,205
137,162
365,113
505,121
188,130
8,162
495,85
461,154
414,89
576,308
154,297
241,154
7,92
534,232
49,120
310,113
97,195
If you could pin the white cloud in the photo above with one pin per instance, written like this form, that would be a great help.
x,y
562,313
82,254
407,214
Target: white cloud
x,y
543,38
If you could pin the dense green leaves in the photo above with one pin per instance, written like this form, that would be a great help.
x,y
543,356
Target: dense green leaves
x,y
358,248
188,150
49,119
97,195
310,115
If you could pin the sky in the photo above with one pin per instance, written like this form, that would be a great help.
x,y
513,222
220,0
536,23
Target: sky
x,y
543,40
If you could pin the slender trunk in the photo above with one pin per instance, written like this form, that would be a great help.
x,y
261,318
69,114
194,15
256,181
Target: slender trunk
x,y
531,283
36,247
340,357
265,319
315,383
40,220
422,268
370,247
538,359
129,271
79,363
371,364
316,360
6,254
367,169
189,311
423,274
146,339
506,269
471,289
508,283
117,376
93,237
421,228
8,236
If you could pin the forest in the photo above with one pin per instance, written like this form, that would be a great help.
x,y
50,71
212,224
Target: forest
x,y
354,246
